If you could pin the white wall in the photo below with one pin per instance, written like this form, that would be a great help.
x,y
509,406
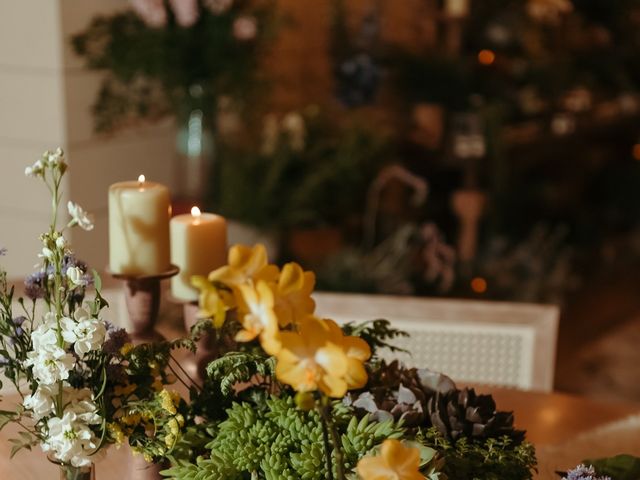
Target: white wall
x,y
45,100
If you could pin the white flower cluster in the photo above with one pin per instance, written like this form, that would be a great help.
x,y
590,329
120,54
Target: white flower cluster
x,y
69,437
49,159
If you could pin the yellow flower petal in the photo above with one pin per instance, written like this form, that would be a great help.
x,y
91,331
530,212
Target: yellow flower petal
x,y
331,358
395,462
293,299
245,263
333,386
356,348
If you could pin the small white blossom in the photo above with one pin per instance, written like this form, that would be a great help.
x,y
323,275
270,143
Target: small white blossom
x,y
35,170
76,277
80,217
56,158
44,337
50,366
85,408
83,331
61,242
41,402
46,253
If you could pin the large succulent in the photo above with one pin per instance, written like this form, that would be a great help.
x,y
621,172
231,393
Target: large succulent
x,y
462,413
400,393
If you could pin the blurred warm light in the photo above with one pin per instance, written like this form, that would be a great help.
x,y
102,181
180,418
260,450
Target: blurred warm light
x,y
486,57
549,415
636,151
479,285
141,179
195,211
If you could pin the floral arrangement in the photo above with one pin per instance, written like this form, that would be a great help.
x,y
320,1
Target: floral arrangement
x,y
82,385
293,395
289,394
57,351
161,52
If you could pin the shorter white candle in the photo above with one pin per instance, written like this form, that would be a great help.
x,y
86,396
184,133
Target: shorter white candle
x,y
198,246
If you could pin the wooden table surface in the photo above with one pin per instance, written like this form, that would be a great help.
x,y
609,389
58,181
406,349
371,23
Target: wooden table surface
x,y
553,418
548,418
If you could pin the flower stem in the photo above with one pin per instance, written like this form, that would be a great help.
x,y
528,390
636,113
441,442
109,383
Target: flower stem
x,y
329,428
327,445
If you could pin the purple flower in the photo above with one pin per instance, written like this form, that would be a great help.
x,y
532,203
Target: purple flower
x,y
117,339
582,472
34,285
3,251
69,261
17,322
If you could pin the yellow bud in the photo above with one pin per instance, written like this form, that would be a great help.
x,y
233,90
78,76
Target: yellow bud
x,y
305,401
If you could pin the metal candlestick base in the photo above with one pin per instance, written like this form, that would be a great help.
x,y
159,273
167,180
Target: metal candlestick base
x,y
142,296
206,349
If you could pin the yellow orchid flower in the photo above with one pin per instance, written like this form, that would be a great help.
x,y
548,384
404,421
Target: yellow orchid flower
x,y
245,263
293,294
395,462
211,302
256,314
317,357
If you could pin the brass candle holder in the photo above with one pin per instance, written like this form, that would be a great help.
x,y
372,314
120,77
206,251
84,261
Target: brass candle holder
x,y
142,297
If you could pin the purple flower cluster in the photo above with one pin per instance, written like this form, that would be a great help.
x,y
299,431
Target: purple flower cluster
x,y
117,339
3,251
36,282
34,285
582,472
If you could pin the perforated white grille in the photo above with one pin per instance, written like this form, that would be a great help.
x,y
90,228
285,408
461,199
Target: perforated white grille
x,y
491,355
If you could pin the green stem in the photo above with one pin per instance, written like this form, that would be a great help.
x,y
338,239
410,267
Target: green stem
x,y
327,445
329,429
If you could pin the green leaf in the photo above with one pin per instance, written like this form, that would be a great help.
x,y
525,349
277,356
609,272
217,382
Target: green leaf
x,y
26,441
97,281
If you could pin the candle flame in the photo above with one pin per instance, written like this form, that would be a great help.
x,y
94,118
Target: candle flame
x,y
142,179
195,211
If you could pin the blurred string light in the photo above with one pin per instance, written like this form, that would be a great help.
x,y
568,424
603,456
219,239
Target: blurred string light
x,y
479,285
486,57
635,151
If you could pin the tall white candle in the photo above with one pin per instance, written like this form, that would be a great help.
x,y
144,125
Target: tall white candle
x,y
139,215
198,246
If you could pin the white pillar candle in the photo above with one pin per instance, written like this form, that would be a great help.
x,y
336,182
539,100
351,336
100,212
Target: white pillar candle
x,y
139,215
457,8
198,246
